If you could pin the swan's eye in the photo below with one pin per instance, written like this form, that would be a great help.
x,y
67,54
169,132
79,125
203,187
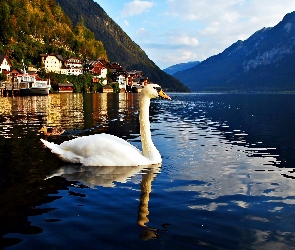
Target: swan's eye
x,y
157,88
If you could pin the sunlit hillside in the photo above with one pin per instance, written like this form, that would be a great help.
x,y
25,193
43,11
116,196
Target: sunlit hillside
x,y
29,28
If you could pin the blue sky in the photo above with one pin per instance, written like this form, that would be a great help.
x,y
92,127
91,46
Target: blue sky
x,y
177,31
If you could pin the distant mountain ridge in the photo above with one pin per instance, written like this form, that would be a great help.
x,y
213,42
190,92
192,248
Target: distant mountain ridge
x,y
263,62
179,67
120,48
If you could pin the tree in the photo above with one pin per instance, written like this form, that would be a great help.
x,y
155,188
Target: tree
x,y
115,87
4,22
3,77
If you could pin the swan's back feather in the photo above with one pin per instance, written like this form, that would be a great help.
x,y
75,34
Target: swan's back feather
x,y
64,155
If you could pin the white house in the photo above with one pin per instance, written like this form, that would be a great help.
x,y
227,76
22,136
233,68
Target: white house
x,y
55,63
52,63
5,64
121,80
102,77
103,74
72,71
73,62
73,66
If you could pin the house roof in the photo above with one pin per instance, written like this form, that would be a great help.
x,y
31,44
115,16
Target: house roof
x,y
73,58
59,57
2,57
68,84
95,63
15,71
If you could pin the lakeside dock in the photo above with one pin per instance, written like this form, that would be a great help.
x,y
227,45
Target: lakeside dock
x,y
9,89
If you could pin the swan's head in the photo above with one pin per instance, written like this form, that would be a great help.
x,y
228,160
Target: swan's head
x,y
154,91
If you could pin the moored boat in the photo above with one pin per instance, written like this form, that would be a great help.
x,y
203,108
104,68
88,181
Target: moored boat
x,y
32,86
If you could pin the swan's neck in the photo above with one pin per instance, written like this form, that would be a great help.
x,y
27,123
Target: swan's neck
x,y
148,148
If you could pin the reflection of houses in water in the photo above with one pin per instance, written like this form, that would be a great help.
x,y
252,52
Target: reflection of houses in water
x,y
132,105
65,110
54,110
30,109
6,125
30,105
109,109
54,113
122,103
18,111
100,107
5,106
128,102
104,105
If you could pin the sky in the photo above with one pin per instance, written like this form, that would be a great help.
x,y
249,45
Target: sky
x,y
180,31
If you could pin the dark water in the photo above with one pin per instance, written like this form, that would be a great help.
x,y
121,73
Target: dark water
x,y
226,181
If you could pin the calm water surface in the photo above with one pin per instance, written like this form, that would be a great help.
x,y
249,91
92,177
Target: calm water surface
x,y
226,181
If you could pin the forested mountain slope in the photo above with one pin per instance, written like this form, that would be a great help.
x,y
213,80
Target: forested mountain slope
x,y
119,46
29,28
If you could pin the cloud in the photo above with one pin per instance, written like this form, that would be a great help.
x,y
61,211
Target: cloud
x,y
233,14
221,23
175,30
136,7
205,10
142,32
183,39
178,56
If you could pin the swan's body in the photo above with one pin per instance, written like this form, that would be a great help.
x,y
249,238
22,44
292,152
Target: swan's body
x,y
110,150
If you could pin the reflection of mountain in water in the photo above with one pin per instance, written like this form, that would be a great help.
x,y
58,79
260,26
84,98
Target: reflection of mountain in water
x,y
218,161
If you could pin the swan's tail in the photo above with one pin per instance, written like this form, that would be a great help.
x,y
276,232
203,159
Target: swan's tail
x,y
64,155
53,147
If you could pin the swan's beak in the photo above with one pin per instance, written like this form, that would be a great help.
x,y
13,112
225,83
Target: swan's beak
x,y
164,95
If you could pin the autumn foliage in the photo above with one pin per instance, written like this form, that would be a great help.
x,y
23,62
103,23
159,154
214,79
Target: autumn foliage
x,y
29,28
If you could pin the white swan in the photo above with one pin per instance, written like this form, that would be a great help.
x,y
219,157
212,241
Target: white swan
x,y
110,150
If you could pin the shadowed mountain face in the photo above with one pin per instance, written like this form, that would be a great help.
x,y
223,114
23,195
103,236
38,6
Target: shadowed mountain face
x,y
263,62
119,46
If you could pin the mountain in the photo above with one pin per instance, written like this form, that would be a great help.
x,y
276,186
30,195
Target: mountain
x,y
120,48
30,28
263,62
179,67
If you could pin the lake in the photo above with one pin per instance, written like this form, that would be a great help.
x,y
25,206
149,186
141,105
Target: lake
x,y
226,180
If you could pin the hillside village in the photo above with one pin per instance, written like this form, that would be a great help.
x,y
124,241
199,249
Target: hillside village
x,y
103,73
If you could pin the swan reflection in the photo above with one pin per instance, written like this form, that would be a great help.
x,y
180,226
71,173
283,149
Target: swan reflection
x,y
104,176
108,177
148,233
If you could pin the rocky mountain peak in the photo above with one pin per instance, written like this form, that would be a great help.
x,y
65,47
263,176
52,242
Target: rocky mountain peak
x,y
264,61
